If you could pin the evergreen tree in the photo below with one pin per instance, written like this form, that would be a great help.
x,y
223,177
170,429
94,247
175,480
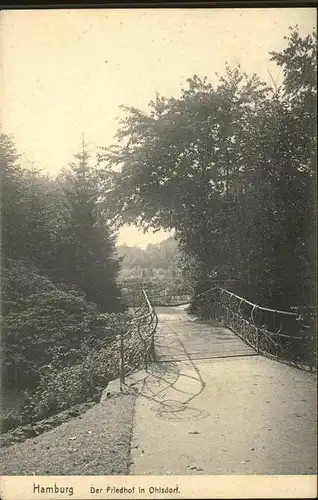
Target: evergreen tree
x,y
86,255
28,212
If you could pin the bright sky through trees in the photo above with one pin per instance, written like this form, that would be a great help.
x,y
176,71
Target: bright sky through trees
x,y
66,72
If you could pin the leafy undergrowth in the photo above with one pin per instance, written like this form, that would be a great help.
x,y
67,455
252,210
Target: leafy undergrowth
x,y
94,443
59,350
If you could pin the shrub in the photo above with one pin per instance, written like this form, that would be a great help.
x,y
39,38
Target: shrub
x,y
82,382
44,324
93,366
55,343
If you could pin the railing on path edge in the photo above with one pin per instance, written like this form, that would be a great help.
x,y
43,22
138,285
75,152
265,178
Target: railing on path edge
x,y
273,333
136,346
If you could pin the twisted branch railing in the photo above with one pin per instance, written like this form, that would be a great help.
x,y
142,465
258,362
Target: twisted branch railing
x,y
273,333
161,292
136,346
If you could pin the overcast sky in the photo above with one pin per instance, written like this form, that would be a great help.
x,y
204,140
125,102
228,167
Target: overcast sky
x,y
67,71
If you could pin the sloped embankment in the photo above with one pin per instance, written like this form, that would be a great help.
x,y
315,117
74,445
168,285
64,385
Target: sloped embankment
x,y
95,443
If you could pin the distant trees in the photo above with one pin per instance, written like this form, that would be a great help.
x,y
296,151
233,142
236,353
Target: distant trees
x,y
231,168
156,268
161,259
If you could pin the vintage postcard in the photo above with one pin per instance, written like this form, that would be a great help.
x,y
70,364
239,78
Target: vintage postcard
x,y
158,253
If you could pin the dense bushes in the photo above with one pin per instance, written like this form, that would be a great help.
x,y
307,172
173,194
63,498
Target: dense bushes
x,y
60,389
56,346
44,323
63,384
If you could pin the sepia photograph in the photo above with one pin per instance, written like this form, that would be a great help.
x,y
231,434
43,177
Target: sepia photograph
x,y
158,253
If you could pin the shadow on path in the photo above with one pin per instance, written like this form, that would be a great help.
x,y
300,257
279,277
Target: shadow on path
x,y
171,386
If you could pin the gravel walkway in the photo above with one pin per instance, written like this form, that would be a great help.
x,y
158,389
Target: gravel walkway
x,y
95,443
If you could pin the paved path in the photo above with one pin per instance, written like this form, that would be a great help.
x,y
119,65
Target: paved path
x,y
243,414
181,336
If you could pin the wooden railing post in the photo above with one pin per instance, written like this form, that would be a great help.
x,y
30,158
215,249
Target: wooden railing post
x,y
121,361
257,340
146,360
152,348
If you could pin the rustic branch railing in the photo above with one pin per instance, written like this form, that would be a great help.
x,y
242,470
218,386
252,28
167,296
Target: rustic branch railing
x,y
160,292
273,333
136,346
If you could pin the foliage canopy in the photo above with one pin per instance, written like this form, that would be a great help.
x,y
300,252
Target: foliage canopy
x,y
231,168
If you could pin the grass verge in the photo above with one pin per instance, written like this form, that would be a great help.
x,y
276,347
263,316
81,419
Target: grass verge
x,y
95,443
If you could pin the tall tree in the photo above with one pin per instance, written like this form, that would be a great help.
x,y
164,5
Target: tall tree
x,y
296,158
28,213
231,169
182,165
86,252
